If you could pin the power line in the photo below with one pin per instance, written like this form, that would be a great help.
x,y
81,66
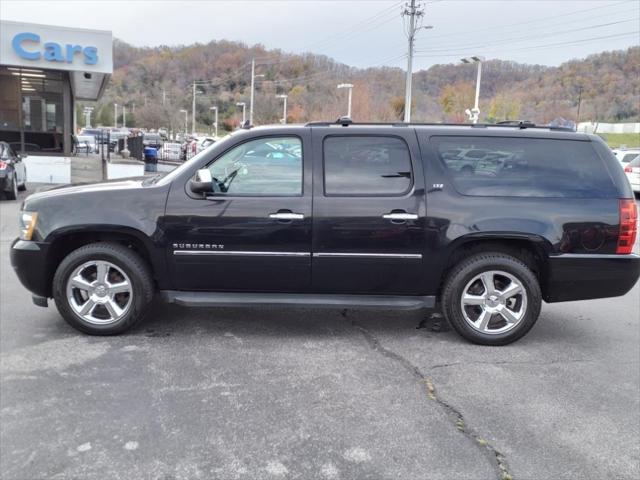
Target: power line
x,y
566,43
477,46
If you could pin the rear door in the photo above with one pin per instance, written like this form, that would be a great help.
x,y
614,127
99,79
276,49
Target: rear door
x,y
369,211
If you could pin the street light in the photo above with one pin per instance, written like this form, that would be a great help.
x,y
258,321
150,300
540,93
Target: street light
x,y
474,113
244,109
215,108
350,87
186,117
284,114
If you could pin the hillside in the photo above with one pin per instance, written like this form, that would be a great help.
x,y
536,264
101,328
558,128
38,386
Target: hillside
x,y
610,85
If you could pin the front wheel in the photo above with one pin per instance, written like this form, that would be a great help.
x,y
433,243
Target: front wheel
x,y
102,288
491,298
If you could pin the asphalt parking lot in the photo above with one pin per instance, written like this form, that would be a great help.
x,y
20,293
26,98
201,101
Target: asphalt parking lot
x,y
306,394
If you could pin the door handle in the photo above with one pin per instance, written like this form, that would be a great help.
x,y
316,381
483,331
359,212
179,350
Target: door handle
x,y
286,216
402,216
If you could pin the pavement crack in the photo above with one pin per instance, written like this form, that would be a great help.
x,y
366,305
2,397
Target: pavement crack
x,y
497,459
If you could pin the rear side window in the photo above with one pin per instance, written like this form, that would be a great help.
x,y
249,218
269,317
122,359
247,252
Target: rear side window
x,y
366,165
628,157
524,167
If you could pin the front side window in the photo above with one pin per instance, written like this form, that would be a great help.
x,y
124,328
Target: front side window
x,y
524,167
266,166
366,165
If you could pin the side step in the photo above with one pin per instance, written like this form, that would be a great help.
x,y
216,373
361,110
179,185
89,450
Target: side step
x,y
232,299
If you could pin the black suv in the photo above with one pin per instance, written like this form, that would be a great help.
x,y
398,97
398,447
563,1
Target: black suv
x,y
481,221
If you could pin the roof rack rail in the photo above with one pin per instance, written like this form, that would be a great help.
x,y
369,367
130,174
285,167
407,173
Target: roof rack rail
x,y
521,124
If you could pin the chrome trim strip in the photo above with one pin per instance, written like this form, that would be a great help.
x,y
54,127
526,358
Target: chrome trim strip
x,y
603,256
367,255
240,252
287,216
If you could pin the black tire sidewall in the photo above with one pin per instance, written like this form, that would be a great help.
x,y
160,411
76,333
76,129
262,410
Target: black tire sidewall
x,y
142,291
468,269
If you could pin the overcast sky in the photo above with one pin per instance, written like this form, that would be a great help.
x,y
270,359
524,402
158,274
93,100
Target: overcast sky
x,y
360,32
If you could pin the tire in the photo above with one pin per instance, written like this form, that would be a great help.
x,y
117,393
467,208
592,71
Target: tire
x,y
483,320
23,186
13,193
120,296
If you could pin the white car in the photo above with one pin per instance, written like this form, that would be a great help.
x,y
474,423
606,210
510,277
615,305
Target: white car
x,y
632,170
625,155
170,151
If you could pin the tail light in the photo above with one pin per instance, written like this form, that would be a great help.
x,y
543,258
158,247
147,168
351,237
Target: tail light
x,y
3,165
628,169
628,226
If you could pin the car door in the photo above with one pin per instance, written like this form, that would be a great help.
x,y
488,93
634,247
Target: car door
x,y
369,211
254,232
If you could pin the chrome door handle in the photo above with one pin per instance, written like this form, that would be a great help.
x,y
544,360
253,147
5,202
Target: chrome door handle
x,y
400,216
286,216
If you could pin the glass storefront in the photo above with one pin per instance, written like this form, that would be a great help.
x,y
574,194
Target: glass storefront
x,y
32,110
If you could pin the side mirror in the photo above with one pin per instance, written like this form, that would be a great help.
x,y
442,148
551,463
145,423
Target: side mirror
x,y
202,182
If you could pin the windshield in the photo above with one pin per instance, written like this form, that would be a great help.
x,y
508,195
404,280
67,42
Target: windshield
x,y
189,163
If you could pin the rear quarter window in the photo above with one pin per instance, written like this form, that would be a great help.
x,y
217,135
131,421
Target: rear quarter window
x,y
524,167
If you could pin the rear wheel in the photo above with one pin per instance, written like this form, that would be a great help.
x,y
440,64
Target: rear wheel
x,y
102,288
491,298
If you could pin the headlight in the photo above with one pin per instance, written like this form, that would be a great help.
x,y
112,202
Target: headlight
x,y
27,224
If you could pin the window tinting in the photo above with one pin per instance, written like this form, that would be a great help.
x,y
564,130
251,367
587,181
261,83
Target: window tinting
x,y
524,167
267,166
366,166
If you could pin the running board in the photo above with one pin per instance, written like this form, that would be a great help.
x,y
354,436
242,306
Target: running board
x,y
232,299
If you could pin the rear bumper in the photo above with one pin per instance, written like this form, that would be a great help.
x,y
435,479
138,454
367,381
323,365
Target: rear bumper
x,y
584,277
28,259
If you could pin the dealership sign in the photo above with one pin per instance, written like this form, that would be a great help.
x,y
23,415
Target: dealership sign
x,y
52,51
56,48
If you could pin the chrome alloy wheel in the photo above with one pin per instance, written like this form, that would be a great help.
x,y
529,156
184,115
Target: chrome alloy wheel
x,y
494,302
99,292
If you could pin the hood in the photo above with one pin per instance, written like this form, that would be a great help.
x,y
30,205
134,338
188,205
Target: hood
x,y
86,188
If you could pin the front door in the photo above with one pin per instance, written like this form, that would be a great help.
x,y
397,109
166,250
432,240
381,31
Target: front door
x,y
253,232
369,212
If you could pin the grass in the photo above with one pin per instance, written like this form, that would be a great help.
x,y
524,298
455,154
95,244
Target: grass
x,y
615,140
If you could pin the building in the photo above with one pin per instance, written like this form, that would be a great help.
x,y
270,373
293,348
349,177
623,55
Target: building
x,y
44,70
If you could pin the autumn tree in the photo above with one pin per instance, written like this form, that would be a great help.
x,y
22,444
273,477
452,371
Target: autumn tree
x,y
455,99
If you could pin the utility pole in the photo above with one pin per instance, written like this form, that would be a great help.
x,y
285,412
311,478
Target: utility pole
x,y
164,96
253,86
193,111
414,12
579,102
124,116
185,122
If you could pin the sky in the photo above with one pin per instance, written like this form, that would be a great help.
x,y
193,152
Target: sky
x,y
360,33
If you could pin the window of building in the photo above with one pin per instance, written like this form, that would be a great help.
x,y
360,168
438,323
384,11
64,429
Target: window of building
x,y
366,165
524,167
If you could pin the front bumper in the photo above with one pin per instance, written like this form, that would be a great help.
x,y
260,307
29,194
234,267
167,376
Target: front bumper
x,y
587,276
29,260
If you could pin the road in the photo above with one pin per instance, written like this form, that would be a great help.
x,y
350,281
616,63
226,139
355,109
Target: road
x,y
314,394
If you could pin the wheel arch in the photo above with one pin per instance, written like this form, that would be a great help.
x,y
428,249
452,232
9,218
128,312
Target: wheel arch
x,y
64,241
533,250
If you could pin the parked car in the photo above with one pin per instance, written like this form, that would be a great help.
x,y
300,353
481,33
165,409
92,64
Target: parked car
x,y
13,173
625,155
152,140
86,144
203,143
28,147
632,170
99,134
170,151
365,216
